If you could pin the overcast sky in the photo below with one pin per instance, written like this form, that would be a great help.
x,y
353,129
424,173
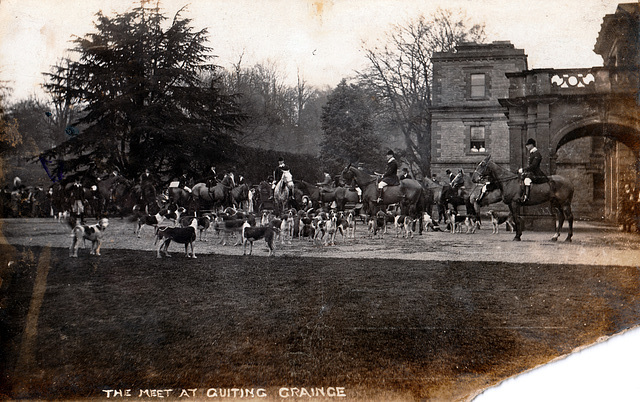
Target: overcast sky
x,y
321,39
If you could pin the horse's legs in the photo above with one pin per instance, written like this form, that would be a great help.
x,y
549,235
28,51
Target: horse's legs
x,y
558,221
569,215
517,220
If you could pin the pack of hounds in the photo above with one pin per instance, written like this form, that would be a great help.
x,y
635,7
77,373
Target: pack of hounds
x,y
173,225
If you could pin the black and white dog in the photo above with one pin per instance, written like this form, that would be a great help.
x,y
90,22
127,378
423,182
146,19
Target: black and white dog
x,y
204,223
186,236
457,221
94,233
155,220
253,233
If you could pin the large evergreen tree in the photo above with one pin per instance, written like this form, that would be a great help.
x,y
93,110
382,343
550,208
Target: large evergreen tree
x,y
348,129
149,94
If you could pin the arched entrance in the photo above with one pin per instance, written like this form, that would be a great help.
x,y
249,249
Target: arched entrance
x,y
600,158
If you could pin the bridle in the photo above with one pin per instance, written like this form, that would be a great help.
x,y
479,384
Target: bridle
x,y
481,171
348,169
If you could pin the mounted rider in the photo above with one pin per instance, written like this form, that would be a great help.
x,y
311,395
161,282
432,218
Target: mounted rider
x,y
184,182
532,173
326,182
457,183
211,177
277,173
390,176
326,185
228,182
146,178
405,174
450,175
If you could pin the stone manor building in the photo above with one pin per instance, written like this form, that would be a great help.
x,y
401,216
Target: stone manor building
x,y
586,121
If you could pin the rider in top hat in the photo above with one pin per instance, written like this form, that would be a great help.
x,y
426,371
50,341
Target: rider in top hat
x,y
450,175
210,178
277,173
390,176
532,173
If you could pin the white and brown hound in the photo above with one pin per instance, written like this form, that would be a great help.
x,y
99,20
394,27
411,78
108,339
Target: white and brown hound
x,y
94,233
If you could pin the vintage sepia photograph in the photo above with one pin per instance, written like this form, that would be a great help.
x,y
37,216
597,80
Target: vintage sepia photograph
x,y
379,200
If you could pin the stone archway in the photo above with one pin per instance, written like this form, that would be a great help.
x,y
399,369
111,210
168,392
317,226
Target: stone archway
x,y
613,161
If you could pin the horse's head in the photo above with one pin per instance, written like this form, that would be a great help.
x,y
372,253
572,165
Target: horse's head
x,y
287,179
482,170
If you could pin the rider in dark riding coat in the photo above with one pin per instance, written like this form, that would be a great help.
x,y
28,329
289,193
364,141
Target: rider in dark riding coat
x,y
228,182
327,180
532,173
450,175
146,178
211,177
390,176
458,182
277,173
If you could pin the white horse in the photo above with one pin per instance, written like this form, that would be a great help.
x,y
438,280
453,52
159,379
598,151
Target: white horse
x,y
283,191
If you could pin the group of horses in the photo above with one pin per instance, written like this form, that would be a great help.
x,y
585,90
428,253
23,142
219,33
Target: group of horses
x,y
489,183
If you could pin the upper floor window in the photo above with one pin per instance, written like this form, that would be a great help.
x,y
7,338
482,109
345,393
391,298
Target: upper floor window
x,y
478,85
477,143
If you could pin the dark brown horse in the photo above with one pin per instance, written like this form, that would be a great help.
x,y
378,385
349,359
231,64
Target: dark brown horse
x,y
240,194
340,195
558,192
107,189
484,195
409,194
179,196
208,197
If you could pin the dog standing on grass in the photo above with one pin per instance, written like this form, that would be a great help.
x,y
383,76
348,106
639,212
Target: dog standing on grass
x,y
409,227
457,221
154,220
498,218
94,233
252,233
350,225
186,236
204,223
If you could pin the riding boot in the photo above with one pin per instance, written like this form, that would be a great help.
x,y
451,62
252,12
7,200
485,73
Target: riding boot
x,y
379,200
527,191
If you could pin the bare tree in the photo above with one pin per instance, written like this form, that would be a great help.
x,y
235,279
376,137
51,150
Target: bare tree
x,y
400,73
264,98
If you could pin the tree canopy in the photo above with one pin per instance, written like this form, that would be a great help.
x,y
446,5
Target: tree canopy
x,y
347,124
149,97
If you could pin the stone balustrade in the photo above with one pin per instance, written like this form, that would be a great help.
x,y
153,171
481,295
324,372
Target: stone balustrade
x,y
579,81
